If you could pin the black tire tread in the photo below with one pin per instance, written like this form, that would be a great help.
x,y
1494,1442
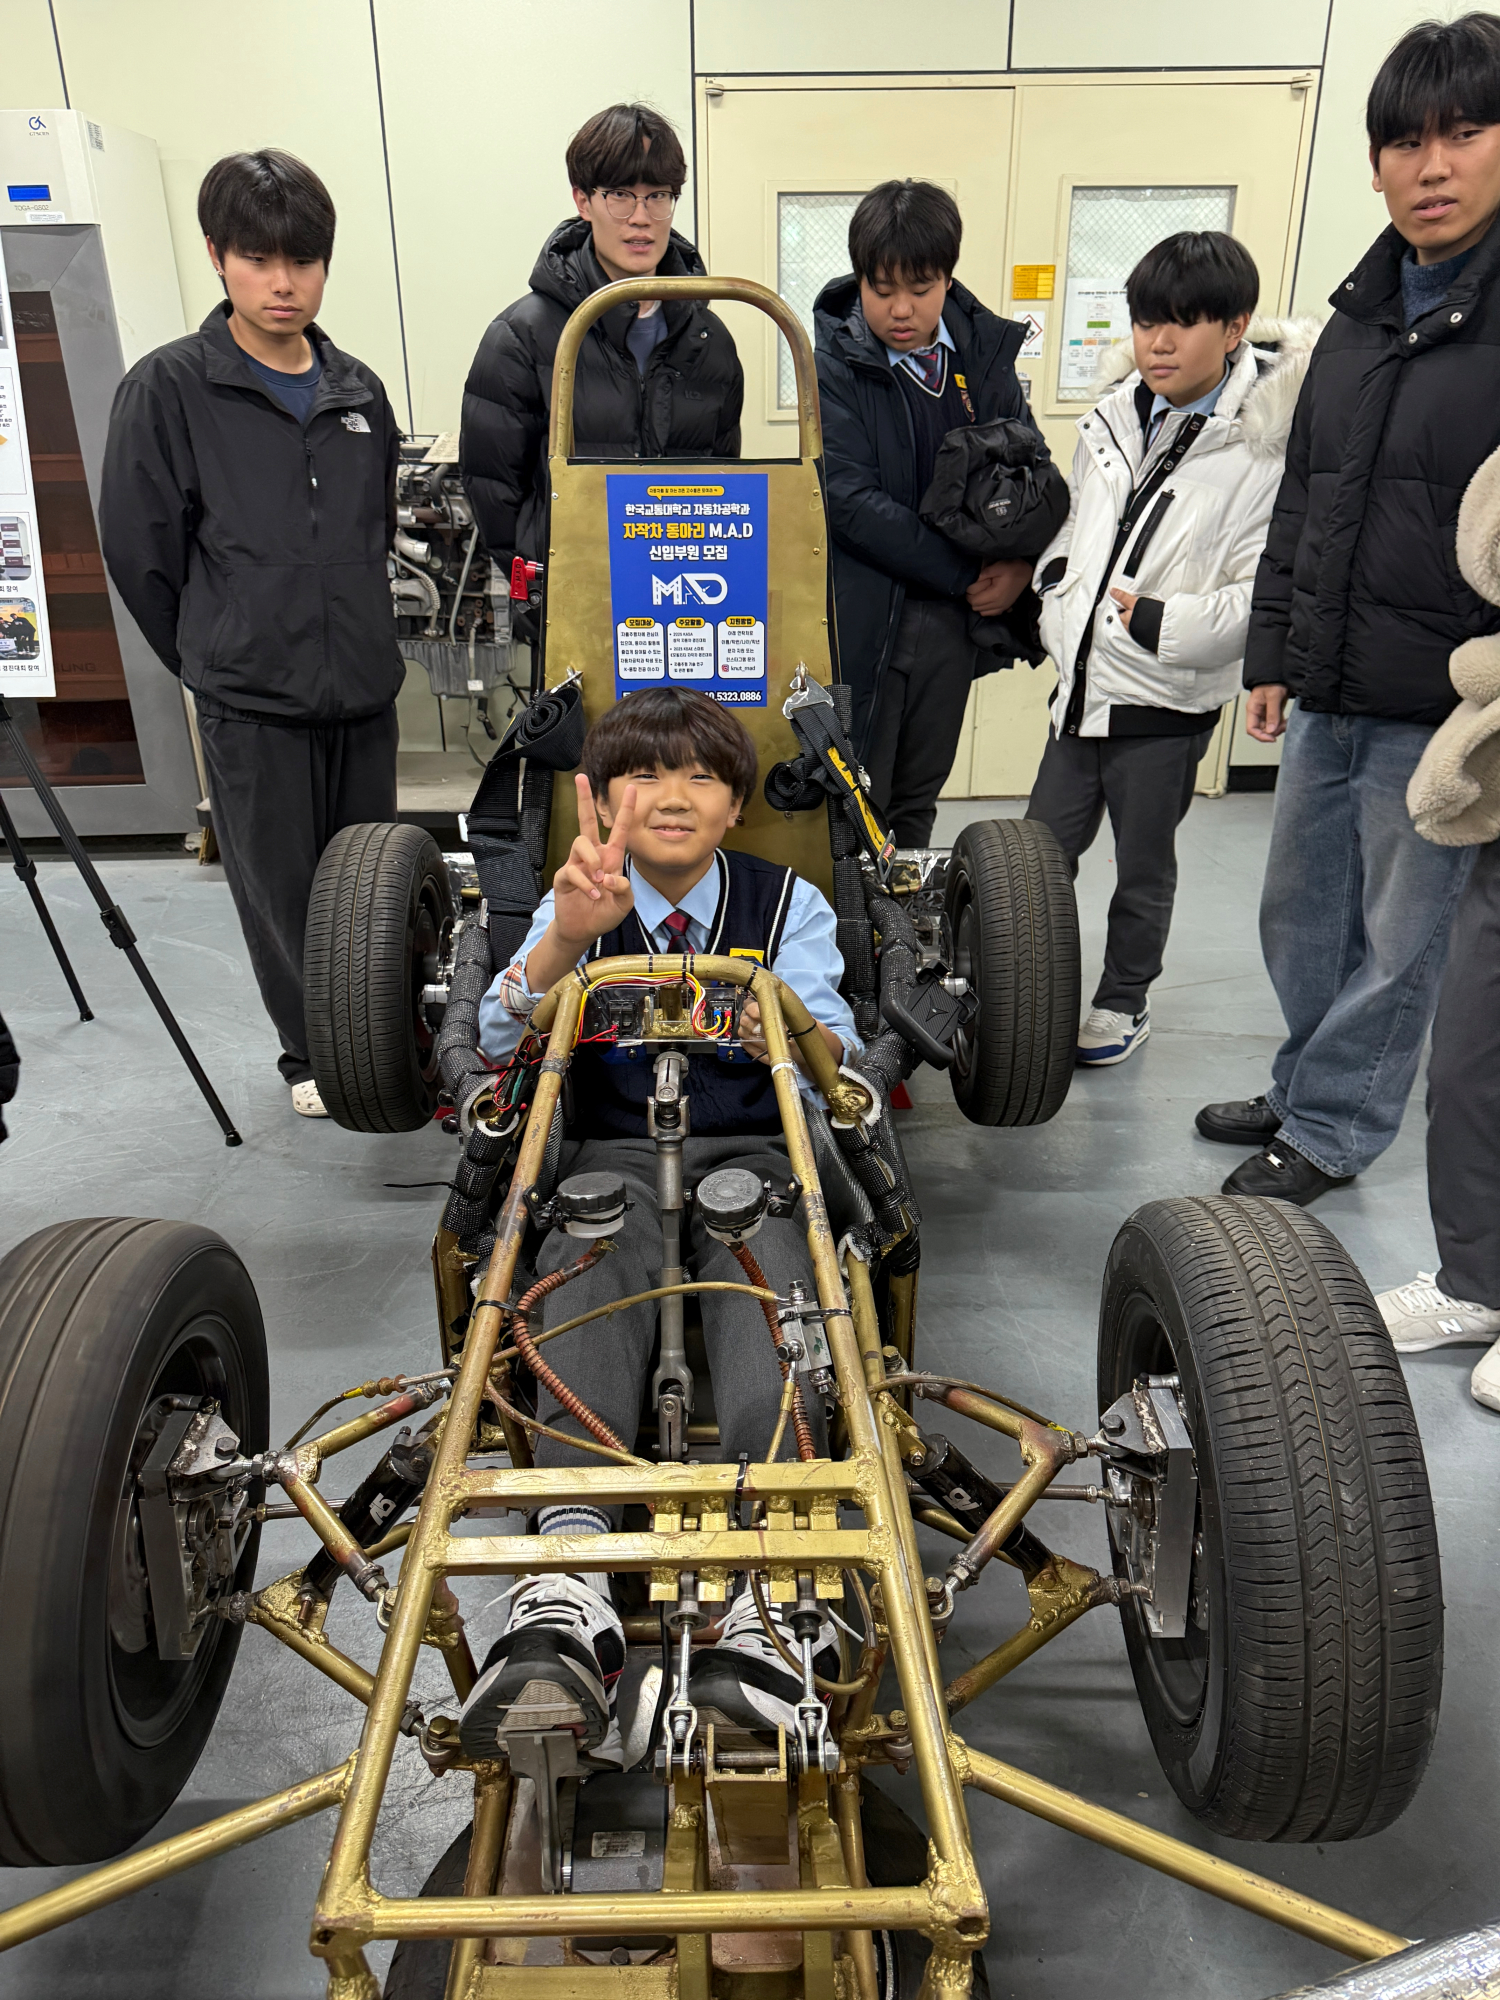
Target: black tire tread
x,y
70,1298
1330,1545
357,976
1029,974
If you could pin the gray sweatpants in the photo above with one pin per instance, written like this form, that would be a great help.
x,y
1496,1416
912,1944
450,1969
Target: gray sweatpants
x,y
1146,785
1463,1095
919,715
280,792
608,1362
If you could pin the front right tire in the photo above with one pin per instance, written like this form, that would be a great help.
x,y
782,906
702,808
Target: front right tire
x,y
1302,1701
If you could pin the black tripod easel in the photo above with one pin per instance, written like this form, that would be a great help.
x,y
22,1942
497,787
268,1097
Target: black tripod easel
x,y
111,914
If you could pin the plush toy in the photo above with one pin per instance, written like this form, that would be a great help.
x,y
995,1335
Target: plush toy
x,y
1454,794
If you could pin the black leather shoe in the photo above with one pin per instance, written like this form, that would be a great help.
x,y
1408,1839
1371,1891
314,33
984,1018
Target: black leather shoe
x,y
1283,1173
1240,1123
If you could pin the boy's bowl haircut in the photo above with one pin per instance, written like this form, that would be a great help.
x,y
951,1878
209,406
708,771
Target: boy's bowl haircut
x,y
674,728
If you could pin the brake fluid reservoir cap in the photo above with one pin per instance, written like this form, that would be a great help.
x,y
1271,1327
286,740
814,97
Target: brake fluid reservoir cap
x,y
592,1204
732,1203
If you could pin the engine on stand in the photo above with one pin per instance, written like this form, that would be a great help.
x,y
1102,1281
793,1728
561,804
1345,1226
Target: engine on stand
x,y
452,603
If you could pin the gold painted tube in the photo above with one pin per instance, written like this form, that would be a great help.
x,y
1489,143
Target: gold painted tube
x,y
963,1912
743,290
344,1892
1006,1657
677,1912
348,1674
491,1806
861,1945
1272,1900
339,1541
170,1857
409,1403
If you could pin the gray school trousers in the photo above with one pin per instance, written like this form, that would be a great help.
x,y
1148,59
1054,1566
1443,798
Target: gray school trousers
x,y
608,1362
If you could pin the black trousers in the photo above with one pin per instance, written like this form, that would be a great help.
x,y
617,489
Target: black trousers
x,y
280,792
1463,1095
1146,785
919,715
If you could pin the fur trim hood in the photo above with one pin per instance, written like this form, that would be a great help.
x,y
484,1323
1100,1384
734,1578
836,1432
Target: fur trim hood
x,y
1454,794
1264,383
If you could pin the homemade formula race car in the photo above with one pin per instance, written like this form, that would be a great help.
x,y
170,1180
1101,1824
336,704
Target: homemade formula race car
x,y
1274,1559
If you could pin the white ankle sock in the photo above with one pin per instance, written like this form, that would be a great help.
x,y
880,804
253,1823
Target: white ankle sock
x,y
568,1517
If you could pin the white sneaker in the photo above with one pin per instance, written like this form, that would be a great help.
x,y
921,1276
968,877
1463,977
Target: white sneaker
x,y
306,1101
1484,1383
1420,1316
562,1631
1107,1037
745,1679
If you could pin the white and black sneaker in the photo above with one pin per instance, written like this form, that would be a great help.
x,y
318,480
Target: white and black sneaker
x,y
743,1678
563,1633
1108,1036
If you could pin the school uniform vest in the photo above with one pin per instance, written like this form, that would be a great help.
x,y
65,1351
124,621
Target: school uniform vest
x,y
728,1092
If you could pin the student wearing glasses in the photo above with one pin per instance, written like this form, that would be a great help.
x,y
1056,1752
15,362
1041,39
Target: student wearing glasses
x,y
661,379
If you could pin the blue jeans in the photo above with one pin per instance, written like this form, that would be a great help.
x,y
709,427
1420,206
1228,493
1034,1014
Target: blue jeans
x,y
1354,920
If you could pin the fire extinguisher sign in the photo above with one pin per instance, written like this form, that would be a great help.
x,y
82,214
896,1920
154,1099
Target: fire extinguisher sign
x,y
687,579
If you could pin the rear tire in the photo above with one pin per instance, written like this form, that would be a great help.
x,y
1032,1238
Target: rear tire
x,y
98,1320
1014,924
378,925
1302,1703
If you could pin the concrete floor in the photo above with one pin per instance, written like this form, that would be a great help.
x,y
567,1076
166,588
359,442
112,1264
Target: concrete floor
x,y
1018,1225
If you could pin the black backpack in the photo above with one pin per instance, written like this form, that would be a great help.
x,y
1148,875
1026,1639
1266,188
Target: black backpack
x,y
995,492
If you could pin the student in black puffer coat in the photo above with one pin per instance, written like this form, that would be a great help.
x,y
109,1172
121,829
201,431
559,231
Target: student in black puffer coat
x,y
1358,603
661,380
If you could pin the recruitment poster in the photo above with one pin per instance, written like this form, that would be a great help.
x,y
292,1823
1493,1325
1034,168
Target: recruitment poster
x,y
687,576
25,646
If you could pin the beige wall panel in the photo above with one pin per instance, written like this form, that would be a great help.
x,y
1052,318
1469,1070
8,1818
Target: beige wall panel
x,y
1152,34
32,78
203,79
1344,214
480,103
833,35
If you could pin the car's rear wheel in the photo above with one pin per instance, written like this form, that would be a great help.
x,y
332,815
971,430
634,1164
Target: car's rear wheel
x,y
1014,925
1301,1702
378,925
108,1328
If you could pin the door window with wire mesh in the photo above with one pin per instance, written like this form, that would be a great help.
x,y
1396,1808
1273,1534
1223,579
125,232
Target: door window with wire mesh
x,y
1109,230
812,246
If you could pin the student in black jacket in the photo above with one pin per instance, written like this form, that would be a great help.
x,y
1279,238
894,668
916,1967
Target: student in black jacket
x,y
906,354
1358,603
247,507
661,379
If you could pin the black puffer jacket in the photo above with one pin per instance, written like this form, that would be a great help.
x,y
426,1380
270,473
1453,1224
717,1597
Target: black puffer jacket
x,y
252,552
687,404
880,543
1358,598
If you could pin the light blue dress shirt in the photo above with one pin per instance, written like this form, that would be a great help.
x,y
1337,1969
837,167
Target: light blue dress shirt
x,y
1161,408
807,959
944,339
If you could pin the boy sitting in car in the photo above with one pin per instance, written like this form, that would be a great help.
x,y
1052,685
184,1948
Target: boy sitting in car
x,y
667,771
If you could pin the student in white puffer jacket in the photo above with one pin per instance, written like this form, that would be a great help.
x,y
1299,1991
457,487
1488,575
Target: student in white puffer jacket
x,y
1146,589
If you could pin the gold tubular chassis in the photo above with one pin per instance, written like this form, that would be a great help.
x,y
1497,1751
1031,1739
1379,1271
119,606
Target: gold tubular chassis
x,y
834,1909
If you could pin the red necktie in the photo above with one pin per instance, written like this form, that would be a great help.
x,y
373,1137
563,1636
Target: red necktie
x,y
676,928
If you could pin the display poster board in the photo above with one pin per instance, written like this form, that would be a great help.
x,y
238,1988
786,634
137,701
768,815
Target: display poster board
x,y
687,578
25,642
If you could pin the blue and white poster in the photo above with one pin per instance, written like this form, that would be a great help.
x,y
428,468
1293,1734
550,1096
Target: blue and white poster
x,y
687,579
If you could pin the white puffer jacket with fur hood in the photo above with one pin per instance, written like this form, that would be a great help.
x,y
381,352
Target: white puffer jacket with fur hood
x,y
1200,557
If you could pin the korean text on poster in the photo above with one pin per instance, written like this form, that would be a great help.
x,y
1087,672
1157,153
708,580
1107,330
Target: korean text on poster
x,y
687,577
25,641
